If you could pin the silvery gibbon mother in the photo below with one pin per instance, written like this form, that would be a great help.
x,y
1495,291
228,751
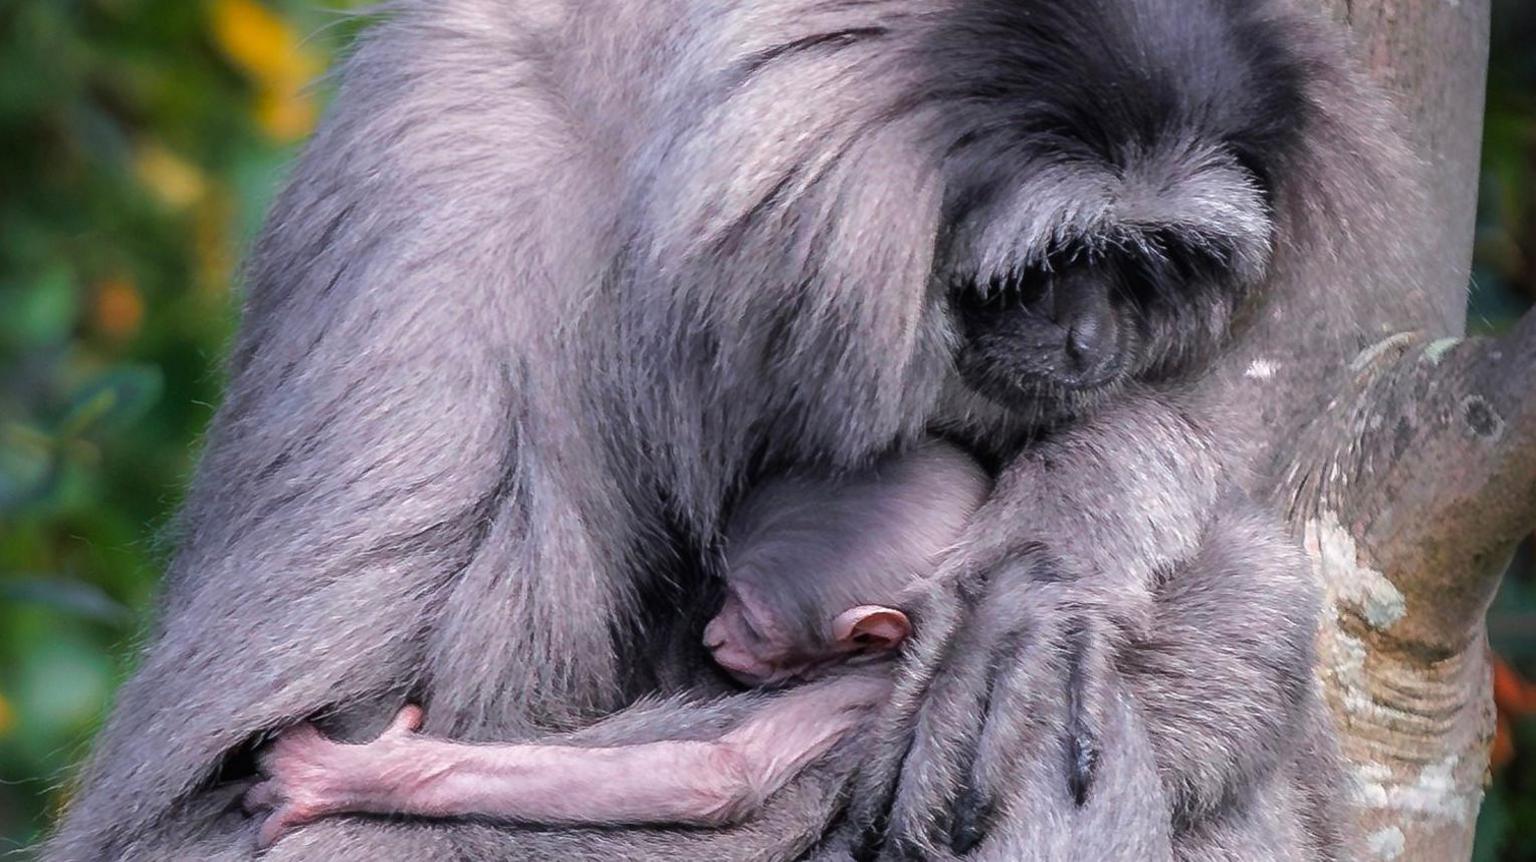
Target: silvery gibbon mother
x,y
556,281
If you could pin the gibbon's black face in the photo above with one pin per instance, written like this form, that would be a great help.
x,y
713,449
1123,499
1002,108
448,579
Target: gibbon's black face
x,y
1038,332
1051,341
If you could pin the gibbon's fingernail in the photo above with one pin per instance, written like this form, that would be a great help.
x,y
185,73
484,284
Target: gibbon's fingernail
x,y
1083,764
1082,743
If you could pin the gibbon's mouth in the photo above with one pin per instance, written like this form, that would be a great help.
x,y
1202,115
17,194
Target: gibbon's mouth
x,y
1035,391
1040,399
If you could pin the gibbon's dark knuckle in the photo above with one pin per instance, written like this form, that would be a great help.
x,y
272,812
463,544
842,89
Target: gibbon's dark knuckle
x,y
970,820
905,848
869,843
1481,418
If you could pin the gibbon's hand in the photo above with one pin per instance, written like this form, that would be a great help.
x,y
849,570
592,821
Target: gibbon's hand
x,y
309,776
1006,671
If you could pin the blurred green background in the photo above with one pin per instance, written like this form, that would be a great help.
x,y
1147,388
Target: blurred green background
x,y
140,141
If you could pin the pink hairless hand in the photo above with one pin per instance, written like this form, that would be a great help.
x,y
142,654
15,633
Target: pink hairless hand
x,y
309,776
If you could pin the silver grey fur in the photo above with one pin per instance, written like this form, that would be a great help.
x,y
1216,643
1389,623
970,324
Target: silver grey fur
x,y
551,283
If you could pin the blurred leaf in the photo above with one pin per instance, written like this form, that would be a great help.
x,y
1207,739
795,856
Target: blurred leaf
x,y
26,465
71,597
1492,828
97,134
40,311
113,400
60,684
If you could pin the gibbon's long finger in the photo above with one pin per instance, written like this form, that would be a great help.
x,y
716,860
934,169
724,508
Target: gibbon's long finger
x,y
1039,698
280,822
936,777
928,777
407,720
942,612
263,796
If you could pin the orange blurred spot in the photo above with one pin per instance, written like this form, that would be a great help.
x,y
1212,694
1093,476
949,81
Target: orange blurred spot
x,y
261,43
7,716
286,115
118,310
1511,691
1515,697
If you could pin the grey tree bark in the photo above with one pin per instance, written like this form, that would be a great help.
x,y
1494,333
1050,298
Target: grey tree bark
x,y
1416,477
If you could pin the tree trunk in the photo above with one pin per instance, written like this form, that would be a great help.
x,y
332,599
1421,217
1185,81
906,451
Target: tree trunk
x,y
1417,476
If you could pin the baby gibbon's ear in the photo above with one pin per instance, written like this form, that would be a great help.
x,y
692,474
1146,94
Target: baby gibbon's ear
x,y
871,626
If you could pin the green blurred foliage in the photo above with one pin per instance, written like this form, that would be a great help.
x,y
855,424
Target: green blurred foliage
x,y
140,140
1504,285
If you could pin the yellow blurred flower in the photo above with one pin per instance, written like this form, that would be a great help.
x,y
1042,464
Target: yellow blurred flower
x,y
173,179
286,116
7,716
263,46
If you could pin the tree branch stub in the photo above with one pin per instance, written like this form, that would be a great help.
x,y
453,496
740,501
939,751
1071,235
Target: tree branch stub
x,y
1427,460
1410,491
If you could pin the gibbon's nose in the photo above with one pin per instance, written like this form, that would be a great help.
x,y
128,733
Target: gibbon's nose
x,y
714,634
1085,340
1089,340
1092,347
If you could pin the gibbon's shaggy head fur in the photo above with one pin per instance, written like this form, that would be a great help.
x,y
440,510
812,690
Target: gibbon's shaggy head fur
x,y
1055,199
1107,219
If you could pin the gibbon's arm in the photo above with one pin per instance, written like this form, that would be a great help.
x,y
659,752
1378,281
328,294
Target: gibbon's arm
x,y
369,486
686,782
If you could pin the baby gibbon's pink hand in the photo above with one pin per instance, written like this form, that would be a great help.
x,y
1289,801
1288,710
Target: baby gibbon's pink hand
x,y
309,776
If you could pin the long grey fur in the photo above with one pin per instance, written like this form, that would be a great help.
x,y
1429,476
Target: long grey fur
x,y
554,280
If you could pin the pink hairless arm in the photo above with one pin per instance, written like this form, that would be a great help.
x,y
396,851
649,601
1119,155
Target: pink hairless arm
x,y
704,783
